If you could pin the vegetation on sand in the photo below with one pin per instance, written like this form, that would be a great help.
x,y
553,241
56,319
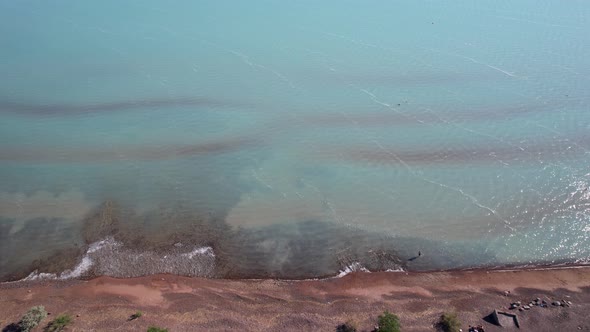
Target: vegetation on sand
x,y
449,322
59,324
136,315
349,326
32,318
156,329
388,322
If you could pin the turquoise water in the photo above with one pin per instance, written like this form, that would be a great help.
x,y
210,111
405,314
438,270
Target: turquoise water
x,y
294,139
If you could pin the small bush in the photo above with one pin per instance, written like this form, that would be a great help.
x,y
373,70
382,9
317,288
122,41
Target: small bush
x,y
59,324
388,322
32,318
349,326
156,329
449,322
136,315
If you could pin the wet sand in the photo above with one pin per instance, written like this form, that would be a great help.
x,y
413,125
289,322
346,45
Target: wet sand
x,y
198,304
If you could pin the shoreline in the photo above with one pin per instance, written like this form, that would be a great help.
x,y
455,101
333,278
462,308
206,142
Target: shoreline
x,y
201,304
210,248
351,268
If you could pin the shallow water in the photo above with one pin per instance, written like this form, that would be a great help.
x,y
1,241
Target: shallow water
x,y
294,139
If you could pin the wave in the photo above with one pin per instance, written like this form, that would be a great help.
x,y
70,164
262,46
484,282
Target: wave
x,y
350,268
112,258
79,270
355,267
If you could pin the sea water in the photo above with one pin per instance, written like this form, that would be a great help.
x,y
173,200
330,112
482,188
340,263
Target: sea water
x,y
292,138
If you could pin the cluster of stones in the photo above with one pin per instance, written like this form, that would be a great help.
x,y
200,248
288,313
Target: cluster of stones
x,y
538,303
563,303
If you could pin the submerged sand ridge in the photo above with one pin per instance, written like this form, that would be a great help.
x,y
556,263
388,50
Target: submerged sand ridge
x,y
198,304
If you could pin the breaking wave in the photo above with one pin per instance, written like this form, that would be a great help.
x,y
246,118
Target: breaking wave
x,y
112,258
353,267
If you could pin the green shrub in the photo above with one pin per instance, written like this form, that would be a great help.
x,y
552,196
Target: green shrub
x,y
388,322
59,324
449,322
349,326
136,315
156,329
32,318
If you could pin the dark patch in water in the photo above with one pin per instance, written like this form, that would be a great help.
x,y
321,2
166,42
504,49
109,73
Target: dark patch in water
x,y
102,223
305,250
155,230
293,251
91,155
410,114
70,109
546,151
187,215
38,245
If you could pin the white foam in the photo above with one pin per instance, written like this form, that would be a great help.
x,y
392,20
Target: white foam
x,y
96,246
354,267
83,267
80,269
200,251
35,275
87,262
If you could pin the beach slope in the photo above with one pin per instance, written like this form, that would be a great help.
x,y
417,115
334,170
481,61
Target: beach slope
x,y
196,304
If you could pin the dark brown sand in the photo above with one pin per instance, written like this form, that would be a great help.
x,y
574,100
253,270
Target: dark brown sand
x,y
195,304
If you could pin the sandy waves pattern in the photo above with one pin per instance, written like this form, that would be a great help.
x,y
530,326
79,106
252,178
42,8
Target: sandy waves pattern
x,y
122,153
28,109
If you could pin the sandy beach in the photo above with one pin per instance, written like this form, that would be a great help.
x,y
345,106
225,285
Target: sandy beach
x,y
198,304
